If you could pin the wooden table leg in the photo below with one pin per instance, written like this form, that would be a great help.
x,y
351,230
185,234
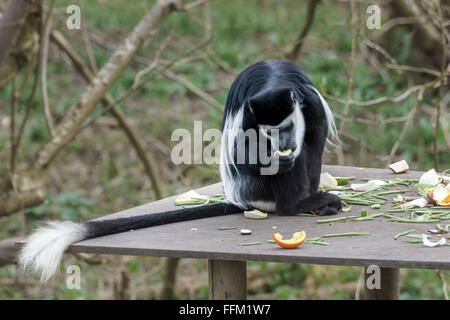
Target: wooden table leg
x,y
388,286
227,280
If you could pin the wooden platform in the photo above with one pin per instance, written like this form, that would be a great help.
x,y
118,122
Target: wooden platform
x,y
177,240
227,256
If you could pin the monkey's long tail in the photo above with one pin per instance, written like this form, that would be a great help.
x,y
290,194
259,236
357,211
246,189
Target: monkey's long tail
x,y
45,247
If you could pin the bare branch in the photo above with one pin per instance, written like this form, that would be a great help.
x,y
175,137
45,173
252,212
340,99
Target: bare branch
x,y
193,5
350,80
415,69
10,24
8,251
103,81
194,89
87,43
28,108
146,158
310,12
381,50
404,129
13,126
441,89
43,56
380,100
155,61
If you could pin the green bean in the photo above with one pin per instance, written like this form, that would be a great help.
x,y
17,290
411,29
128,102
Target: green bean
x,y
403,233
415,236
346,234
226,228
391,192
335,219
322,243
413,241
406,220
251,243
371,217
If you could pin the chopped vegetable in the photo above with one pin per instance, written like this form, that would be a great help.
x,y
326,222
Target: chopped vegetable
x,y
423,189
369,217
191,197
429,243
418,203
297,239
246,232
226,228
399,167
342,181
376,206
318,241
371,185
430,177
408,220
251,243
340,219
403,233
327,180
364,212
351,234
255,214
441,196
347,209
398,199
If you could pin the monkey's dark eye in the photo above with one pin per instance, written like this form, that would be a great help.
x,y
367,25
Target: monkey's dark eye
x,y
289,127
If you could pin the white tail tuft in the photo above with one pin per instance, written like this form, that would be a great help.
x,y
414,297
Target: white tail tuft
x,y
45,247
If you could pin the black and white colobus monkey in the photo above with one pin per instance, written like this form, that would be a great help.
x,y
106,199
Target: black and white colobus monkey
x,y
267,96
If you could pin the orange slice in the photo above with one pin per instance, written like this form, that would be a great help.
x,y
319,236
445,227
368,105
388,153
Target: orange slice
x,y
441,196
297,239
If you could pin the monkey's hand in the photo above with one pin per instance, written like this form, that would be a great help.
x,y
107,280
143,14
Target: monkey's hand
x,y
333,205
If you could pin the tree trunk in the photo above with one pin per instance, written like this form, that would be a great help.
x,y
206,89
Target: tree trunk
x,y
18,37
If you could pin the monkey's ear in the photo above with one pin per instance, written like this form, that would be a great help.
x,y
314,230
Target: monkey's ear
x,y
294,97
297,96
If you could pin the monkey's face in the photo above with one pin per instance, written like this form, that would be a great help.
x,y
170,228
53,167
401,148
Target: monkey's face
x,y
278,117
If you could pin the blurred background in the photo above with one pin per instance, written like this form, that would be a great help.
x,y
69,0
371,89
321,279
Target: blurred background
x,y
381,65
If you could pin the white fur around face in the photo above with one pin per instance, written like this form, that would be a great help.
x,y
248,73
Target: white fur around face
x,y
332,131
45,247
231,186
299,127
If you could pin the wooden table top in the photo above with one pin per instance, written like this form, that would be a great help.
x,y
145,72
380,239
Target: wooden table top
x,y
207,242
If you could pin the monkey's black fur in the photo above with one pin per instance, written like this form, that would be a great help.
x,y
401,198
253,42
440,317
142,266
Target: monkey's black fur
x,y
263,91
